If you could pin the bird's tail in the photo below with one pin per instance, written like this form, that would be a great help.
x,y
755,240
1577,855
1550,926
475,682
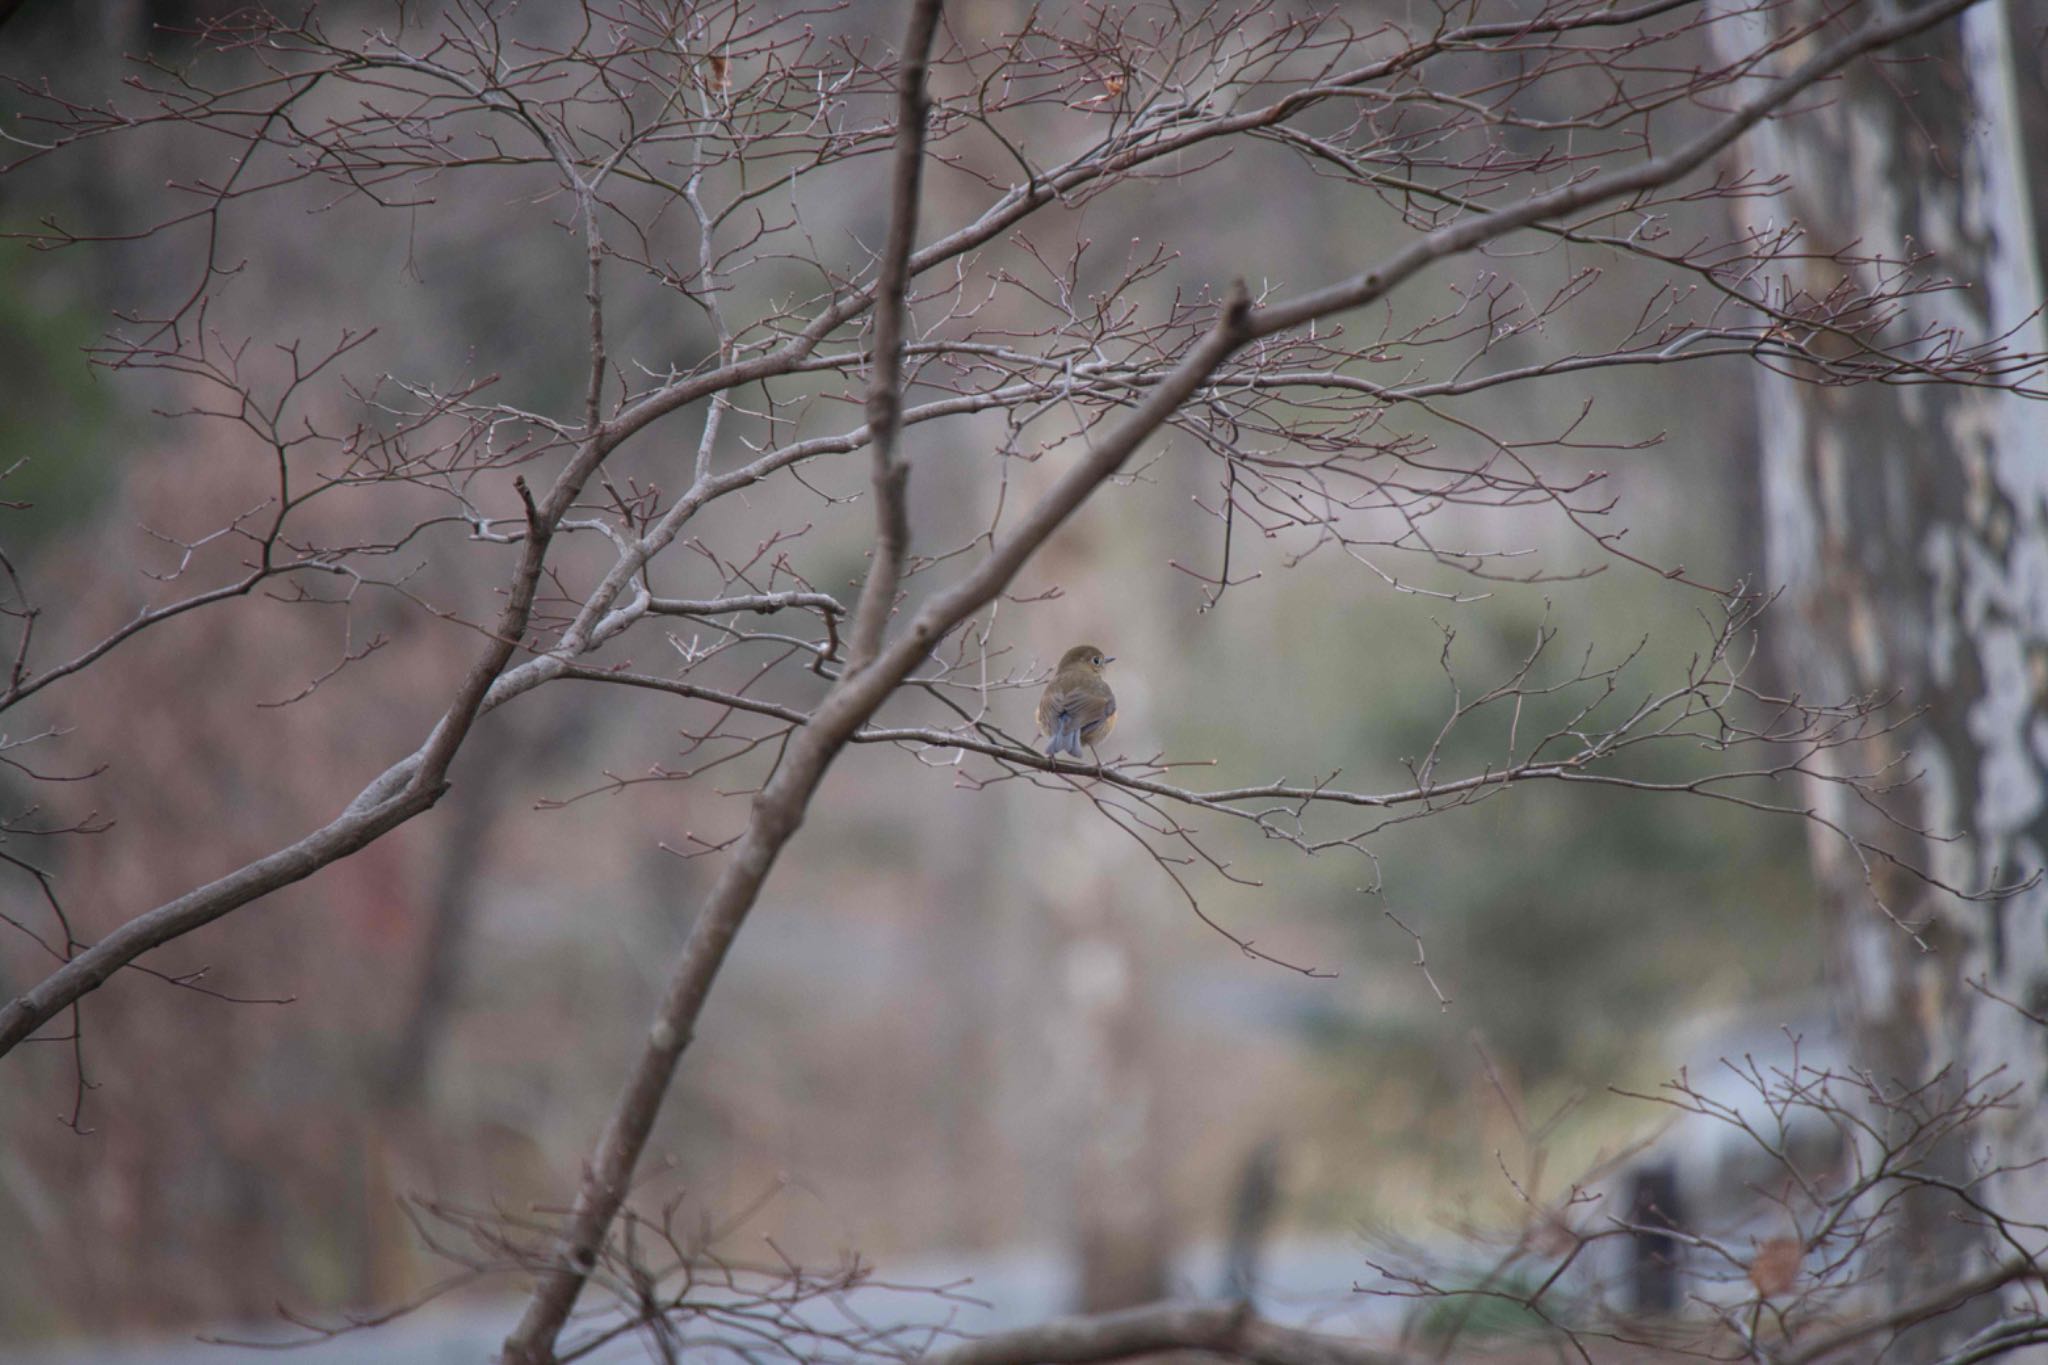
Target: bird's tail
x,y
1066,736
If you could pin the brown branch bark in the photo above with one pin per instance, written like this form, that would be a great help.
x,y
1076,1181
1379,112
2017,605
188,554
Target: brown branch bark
x,y
892,316
384,806
781,805
379,810
399,794
779,808
86,972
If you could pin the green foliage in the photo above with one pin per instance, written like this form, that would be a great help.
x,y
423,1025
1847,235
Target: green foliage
x,y
55,424
1482,1309
1571,924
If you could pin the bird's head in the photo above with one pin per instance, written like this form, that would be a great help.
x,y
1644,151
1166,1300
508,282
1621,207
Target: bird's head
x,y
1089,657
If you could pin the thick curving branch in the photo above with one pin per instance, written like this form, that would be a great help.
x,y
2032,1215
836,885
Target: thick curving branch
x,y
780,807
777,812
404,790
387,804
892,317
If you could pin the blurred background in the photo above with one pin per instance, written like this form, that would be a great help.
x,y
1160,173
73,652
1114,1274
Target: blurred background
x,y
967,1032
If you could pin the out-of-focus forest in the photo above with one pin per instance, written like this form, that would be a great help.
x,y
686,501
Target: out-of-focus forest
x,y
967,1020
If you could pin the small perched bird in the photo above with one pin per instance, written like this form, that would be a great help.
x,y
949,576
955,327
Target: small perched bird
x,y
1077,707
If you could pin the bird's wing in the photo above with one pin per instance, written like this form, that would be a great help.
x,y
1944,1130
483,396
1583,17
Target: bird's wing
x,y
1099,726
1048,709
1086,703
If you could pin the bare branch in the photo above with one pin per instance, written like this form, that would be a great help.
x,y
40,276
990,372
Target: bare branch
x,y
892,311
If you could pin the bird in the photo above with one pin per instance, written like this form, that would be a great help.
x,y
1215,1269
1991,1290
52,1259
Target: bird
x,y
1077,706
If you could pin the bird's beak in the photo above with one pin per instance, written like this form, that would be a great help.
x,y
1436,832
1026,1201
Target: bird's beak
x,y
1109,659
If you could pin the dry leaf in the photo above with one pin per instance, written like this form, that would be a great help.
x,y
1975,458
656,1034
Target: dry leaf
x,y
1776,1266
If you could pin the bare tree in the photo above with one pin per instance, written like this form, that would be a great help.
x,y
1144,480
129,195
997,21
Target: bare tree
x,y
1902,522
691,152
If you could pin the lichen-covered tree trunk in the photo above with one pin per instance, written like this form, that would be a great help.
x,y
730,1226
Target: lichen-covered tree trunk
x,y
1908,526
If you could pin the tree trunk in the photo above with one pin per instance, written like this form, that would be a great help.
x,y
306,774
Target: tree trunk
x,y
1908,525
1104,1035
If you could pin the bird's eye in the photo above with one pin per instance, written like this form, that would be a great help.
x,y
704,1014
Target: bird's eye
x,y
1100,661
